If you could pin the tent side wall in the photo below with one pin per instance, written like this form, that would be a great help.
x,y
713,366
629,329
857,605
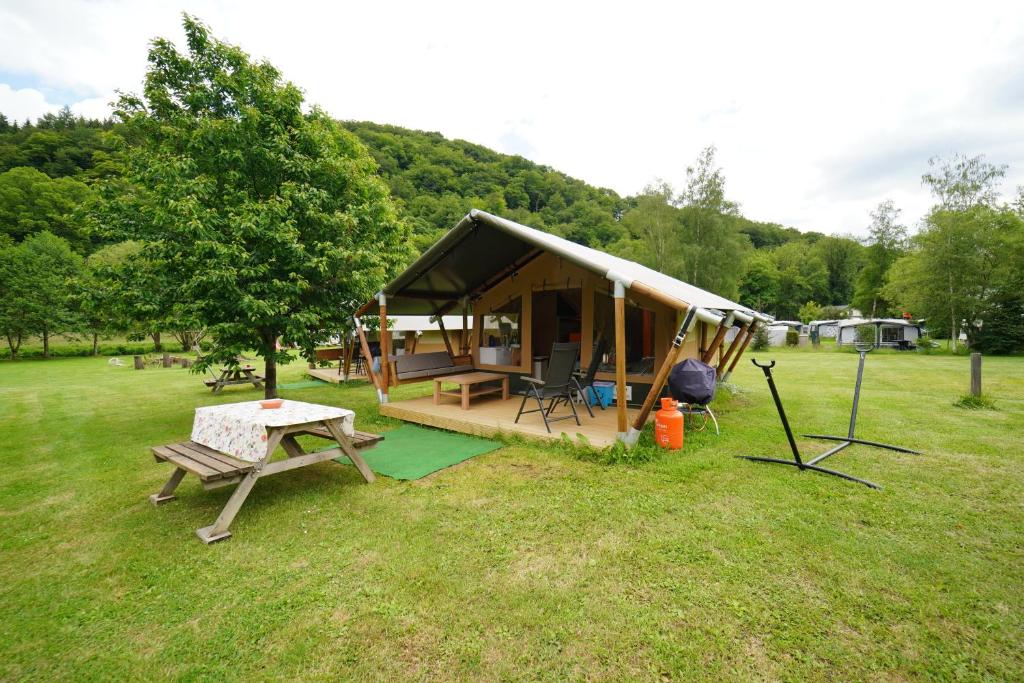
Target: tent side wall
x,y
548,272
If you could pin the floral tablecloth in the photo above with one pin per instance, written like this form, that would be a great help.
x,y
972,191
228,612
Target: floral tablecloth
x,y
240,429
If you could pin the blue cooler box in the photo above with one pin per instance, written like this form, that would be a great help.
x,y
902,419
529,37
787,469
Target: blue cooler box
x,y
601,392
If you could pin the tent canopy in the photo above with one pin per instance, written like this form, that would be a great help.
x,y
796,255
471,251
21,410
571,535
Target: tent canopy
x,y
483,249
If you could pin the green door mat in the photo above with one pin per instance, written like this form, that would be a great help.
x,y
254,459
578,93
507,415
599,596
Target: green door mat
x,y
412,452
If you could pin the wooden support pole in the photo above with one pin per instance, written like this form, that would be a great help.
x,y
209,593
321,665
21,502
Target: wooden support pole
x,y
620,359
385,348
666,367
410,343
464,341
367,358
975,374
716,341
444,335
743,347
702,347
736,342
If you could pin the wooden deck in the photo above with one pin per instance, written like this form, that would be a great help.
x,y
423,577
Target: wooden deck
x,y
331,375
490,416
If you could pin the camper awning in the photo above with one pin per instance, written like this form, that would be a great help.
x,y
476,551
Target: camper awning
x,y
483,249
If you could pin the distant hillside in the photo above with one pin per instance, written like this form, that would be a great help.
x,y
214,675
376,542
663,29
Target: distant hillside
x,y
439,180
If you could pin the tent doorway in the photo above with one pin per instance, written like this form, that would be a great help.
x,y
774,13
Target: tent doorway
x,y
557,317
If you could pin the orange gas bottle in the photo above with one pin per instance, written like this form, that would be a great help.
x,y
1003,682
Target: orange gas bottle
x,y
668,425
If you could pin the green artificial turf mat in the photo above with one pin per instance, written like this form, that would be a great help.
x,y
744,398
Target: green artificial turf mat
x,y
412,452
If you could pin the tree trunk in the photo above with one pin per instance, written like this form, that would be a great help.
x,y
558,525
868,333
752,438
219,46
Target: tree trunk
x,y
157,346
15,345
95,344
46,342
270,369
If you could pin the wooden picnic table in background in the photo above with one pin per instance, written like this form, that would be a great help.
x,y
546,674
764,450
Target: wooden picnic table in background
x,y
235,374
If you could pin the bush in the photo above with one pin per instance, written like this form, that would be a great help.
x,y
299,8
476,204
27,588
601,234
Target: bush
x,y
792,337
760,340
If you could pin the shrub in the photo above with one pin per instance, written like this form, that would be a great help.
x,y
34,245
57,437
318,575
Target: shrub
x,y
792,337
760,340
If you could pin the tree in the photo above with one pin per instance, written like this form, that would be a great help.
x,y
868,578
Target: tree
x,y
811,311
99,300
802,277
842,257
966,262
759,287
262,220
963,182
886,242
653,231
31,201
966,265
36,278
713,248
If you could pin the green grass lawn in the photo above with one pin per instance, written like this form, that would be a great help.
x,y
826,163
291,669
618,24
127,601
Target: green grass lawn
x,y
525,563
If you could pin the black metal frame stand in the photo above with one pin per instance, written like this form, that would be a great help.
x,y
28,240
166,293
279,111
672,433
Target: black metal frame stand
x,y
847,440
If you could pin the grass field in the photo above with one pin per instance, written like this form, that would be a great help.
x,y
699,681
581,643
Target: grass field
x,y
525,563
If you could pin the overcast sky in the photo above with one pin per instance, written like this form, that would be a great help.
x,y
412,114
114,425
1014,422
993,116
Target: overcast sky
x,y
819,110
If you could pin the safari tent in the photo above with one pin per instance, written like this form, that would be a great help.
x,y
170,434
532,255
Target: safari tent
x,y
519,290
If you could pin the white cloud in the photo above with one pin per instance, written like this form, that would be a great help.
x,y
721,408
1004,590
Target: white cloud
x,y
819,110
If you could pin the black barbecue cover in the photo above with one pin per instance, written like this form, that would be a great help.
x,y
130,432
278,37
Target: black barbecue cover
x,y
692,382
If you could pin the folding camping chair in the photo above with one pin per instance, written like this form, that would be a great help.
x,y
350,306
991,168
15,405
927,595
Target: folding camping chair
x,y
557,386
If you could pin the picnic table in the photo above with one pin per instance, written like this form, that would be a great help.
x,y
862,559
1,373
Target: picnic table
x,y
234,374
233,444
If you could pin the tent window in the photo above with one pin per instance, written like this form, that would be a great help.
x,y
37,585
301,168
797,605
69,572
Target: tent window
x,y
499,337
639,335
891,335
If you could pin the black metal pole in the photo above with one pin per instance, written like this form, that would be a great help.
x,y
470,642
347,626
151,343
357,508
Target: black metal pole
x,y
856,391
767,369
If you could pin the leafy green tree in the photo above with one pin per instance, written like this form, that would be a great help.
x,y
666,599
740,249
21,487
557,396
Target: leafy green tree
x,y
886,243
966,262
264,220
99,300
811,311
963,182
653,228
713,248
759,287
802,277
842,257
36,279
31,201
965,265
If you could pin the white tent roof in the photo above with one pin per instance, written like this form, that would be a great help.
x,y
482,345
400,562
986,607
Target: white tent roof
x,y
482,245
855,322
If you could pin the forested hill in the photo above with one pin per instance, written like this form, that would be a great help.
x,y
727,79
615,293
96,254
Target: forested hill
x,y
439,180
49,167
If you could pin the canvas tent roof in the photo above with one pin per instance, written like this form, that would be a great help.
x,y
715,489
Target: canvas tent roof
x,y
484,249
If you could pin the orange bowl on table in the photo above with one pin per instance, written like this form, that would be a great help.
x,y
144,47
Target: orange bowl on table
x,y
271,403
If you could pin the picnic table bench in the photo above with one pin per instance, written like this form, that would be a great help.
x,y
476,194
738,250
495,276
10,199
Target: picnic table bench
x,y
215,468
234,374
